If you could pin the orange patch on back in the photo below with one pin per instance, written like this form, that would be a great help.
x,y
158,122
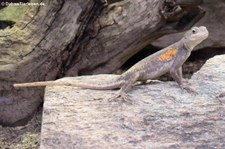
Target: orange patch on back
x,y
168,55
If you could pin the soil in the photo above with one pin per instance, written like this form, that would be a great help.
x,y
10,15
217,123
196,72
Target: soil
x,y
22,137
28,136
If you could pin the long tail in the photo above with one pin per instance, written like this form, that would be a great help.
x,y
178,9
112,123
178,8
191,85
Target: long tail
x,y
98,86
46,83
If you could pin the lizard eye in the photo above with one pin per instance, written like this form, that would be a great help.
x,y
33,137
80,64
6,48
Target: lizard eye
x,y
194,31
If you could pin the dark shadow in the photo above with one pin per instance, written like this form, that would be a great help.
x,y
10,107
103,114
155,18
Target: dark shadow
x,y
113,1
5,24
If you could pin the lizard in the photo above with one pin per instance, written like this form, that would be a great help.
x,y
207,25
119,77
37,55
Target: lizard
x,y
169,59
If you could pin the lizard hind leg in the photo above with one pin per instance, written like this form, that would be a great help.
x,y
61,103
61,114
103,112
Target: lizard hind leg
x,y
126,87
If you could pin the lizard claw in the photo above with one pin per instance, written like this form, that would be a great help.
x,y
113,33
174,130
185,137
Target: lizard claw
x,y
125,97
188,89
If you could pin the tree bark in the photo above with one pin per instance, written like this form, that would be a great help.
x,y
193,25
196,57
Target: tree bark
x,y
66,38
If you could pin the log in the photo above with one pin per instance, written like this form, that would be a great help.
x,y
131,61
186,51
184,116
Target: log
x,y
66,38
159,115
36,52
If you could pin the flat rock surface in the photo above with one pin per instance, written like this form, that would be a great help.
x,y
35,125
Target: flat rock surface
x,y
158,115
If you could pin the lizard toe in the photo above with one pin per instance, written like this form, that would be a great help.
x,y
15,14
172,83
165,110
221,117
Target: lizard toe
x,y
189,89
124,96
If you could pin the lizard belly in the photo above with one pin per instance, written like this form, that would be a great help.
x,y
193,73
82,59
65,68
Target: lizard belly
x,y
156,71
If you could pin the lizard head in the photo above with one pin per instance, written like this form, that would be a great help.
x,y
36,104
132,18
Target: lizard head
x,y
194,36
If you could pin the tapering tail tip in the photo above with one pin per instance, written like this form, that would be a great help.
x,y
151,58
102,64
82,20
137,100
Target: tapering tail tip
x,y
36,84
16,85
19,85
32,84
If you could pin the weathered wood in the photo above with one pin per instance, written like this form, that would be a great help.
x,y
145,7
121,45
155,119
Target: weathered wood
x,y
123,29
68,37
160,116
36,52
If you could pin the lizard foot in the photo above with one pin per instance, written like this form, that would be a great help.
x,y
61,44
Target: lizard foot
x,y
188,89
125,97
220,96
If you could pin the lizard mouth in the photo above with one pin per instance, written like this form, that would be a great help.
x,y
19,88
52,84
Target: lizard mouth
x,y
204,31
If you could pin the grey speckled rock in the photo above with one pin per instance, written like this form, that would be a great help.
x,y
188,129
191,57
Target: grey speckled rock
x,y
160,116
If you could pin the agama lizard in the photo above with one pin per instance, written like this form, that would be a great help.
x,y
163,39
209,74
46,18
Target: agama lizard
x,y
169,59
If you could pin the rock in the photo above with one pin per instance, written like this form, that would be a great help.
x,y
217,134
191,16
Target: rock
x,y
213,20
159,115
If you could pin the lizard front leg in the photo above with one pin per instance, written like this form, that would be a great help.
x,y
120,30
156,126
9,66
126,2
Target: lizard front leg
x,y
177,76
126,87
176,69
179,72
